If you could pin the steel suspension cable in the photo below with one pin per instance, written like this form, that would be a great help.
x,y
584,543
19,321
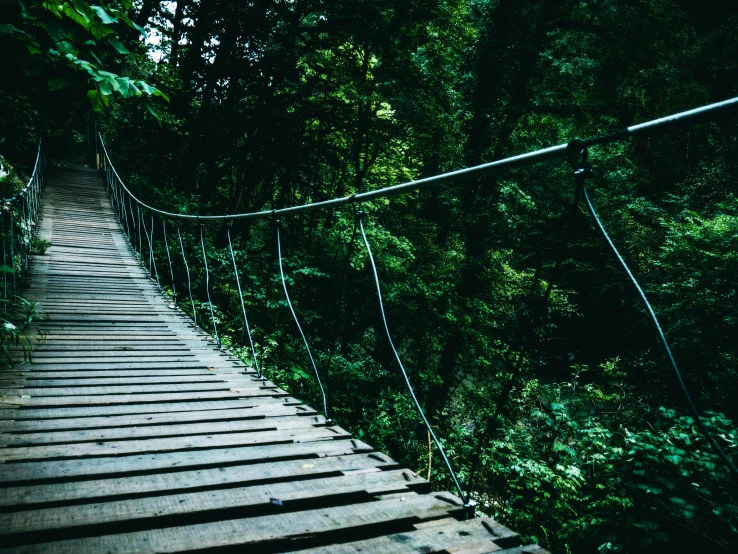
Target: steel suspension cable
x,y
148,241
418,407
12,245
169,258
5,262
207,285
132,239
187,270
559,151
127,228
297,321
140,245
581,175
151,252
240,297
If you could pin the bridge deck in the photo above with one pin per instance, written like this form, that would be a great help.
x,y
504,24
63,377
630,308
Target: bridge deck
x,y
131,432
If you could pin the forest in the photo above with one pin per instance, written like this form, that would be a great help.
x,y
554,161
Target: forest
x,y
531,353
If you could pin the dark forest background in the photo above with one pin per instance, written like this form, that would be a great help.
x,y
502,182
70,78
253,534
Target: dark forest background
x,y
525,342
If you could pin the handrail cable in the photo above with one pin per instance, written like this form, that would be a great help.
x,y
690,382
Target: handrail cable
x,y
277,224
26,205
169,258
240,298
151,252
691,117
418,407
207,286
187,270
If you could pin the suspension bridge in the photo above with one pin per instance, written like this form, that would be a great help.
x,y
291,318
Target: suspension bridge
x,y
129,429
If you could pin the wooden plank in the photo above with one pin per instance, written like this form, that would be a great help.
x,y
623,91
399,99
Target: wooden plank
x,y
101,400
35,413
453,536
83,520
86,423
83,391
171,444
22,473
90,381
173,429
117,365
280,529
81,376
177,480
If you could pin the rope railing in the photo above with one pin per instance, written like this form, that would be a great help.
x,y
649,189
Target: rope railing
x,y
123,201
19,216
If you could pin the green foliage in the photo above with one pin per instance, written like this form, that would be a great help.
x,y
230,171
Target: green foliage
x,y
40,246
17,317
55,37
11,182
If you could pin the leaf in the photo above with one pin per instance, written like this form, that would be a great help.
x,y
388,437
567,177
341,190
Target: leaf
x,y
97,100
33,48
115,43
104,16
134,25
152,111
126,87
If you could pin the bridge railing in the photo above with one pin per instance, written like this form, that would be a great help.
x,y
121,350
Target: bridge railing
x,y
19,216
137,220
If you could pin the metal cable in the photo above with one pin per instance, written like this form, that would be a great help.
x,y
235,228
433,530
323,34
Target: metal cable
x,y
5,263
581,175
169,258
240,297
151,253
132,239
125,216
12,246
207,285
187,270
140,245
402,368
148,241
297,322
24,238
558,151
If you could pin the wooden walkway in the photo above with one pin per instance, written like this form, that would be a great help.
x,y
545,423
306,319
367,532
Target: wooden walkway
x,y
132,432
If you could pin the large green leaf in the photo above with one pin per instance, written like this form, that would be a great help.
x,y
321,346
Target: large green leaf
x,y
97,100
104,16
115,43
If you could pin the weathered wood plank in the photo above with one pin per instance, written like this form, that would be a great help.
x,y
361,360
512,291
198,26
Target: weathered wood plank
x,y
102,400
177,480
87,468
476,535
87,423
170,444
173,429
221,504
35,413
290,528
